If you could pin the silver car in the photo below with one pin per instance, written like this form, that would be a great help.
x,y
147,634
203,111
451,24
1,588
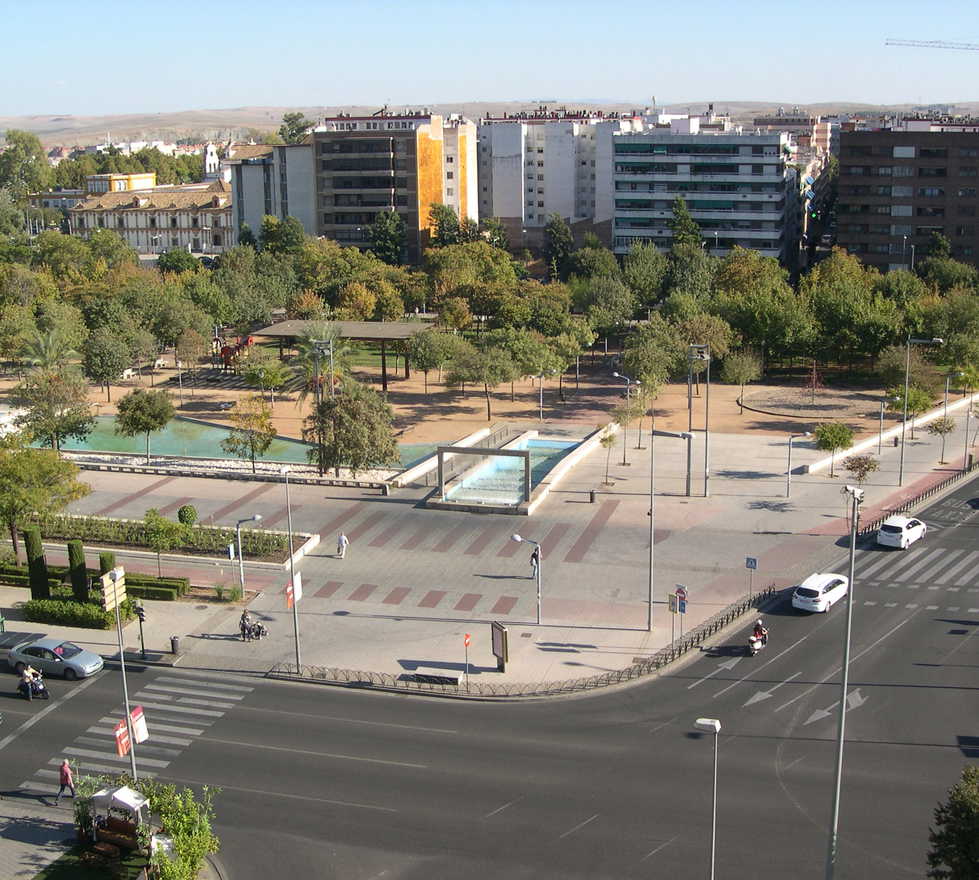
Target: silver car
x,y
55,657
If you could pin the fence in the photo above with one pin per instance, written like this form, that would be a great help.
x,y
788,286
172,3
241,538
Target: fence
x,y
640,667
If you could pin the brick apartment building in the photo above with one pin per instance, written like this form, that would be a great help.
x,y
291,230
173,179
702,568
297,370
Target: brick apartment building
x,y
898,186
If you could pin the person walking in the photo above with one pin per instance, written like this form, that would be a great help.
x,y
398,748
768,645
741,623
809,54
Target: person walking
x,y
535,561
67,781
342,544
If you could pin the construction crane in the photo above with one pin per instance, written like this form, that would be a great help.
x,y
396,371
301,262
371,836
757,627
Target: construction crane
x,y
933,44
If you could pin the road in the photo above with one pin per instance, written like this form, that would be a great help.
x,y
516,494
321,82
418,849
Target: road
x,y
343,784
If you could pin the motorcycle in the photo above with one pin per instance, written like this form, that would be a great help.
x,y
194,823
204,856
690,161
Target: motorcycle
x,y
258,631
36,690
756,644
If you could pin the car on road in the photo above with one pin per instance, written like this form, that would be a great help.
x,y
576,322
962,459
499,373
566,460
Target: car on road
x,y
900,531
820,592
55,657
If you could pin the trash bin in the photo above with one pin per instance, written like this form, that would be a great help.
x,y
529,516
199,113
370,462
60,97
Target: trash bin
x,y
174,645
591,495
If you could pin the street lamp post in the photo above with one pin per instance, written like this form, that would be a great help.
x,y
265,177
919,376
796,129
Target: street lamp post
x,y
628,384
788,470
880,431
711,725
292,574
679,435
856,496
652,520
241,561
701,352
965,450
937,340
912,257
114,576
540,564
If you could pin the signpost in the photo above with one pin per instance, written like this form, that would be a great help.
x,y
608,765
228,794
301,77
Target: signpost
x,y
123,743
498,633
466,641
294,590
681,603
113,591
751,564
138,721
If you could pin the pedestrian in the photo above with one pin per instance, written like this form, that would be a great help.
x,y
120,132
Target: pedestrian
x,y
535,561
342,544
67,781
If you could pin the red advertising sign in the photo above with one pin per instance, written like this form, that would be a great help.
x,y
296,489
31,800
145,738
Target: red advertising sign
x,y
122,739
138,720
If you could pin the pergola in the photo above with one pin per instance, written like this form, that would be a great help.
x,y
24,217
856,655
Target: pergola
x,y
362,331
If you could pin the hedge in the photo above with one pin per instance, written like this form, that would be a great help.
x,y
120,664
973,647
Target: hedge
x,y
200,538
66,612
17,576
166,594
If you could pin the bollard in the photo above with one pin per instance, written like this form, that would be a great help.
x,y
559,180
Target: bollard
x,y
174,645
897,442
385,489
591,496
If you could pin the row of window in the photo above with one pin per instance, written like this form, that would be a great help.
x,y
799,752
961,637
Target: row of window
x,y
907,171
896,249
622,147
665,240
661,223
910,152
693,187
103,221
699,205
962,231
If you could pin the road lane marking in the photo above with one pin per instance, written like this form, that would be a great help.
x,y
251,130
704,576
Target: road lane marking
x,y
764,695
155,737
214,704
182,709
661,846
763,665
838,668
206,680
30,722
579,826
788,767
102,756
278,712
727,664
907,573
293,751
174,689
854,700
969,560
501,809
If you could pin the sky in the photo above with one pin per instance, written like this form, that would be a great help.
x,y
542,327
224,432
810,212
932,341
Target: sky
x,y
113,57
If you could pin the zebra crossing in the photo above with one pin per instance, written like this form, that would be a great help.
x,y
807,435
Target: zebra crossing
x,y
179,708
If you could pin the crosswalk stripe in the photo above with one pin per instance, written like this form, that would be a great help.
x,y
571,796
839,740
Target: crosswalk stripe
x,y
973,610
191,701
952,590
885,558
952,557
911,606
39,787
98,768
183,709
212,681
890,604
172,689
953,608
154,736
141,749
908,573
931,607
965,562
156,724
89,753
869,603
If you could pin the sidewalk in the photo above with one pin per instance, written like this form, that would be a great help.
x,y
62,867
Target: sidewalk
x,y
416,581
34,833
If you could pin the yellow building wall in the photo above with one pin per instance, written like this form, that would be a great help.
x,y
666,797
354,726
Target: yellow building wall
x,y
462,172
430,164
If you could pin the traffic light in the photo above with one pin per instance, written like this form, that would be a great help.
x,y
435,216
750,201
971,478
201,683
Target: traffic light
x,y
140,613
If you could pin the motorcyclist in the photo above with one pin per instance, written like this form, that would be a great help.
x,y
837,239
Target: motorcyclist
x,y
28,682
760,632
245,625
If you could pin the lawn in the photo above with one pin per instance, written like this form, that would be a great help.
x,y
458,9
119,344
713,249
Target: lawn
x,y
74,866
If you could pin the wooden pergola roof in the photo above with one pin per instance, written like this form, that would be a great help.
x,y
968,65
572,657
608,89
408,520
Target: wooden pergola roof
x,y
367,331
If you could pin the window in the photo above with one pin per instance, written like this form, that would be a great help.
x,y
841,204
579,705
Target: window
x,y
901,211
757,169
217,239
901,229
966,171
450,159
930,212
194,222
931,192
901,191
101,222
122,222
969,152
903,152
967,192
933,153
173,241
448,191
540,204
966,211
540,176
903,171
965,230
216,221
936,172
448,175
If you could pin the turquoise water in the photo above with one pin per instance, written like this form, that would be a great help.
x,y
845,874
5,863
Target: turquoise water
x,y
500,479
194,439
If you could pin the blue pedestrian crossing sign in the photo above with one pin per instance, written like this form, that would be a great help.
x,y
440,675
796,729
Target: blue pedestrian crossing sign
x,y
750,563
682,603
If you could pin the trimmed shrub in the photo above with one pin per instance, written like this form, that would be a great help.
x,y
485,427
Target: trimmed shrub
x,y
65,612
37,566
17,576
107,561
187,515
77,570
166,594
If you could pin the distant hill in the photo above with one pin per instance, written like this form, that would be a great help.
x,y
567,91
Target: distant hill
x,y
219,124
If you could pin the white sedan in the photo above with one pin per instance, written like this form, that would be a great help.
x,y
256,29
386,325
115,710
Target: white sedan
x,y
819,592
900,531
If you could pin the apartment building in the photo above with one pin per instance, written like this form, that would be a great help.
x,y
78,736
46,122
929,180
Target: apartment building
x,y
532,165
807,130
400,162
897,186
115,182
196,217
274,180
741,188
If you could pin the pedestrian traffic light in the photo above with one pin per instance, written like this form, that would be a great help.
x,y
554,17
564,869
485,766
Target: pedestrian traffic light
x,y
140,613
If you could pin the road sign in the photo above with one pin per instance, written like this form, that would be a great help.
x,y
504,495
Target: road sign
x,y
682,606
231,551
498,637
750,563
113,591
122,739
138,720
681,592
673,603
467,640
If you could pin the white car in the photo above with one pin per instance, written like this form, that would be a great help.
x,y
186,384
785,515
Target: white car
x,y
819,592
900,531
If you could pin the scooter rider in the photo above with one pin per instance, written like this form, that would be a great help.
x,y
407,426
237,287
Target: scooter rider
x,y
245,625
760,632
28,681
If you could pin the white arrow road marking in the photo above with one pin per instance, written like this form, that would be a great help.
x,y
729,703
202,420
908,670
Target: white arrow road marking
x,y
853,660
854,700
727,664
764,695
763,665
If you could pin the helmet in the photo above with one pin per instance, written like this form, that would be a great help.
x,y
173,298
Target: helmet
x,y
758,622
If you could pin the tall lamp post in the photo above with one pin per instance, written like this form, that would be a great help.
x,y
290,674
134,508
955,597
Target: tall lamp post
x,y
114,575
679,435
711,725
628,384
856,496
652,520
937,340
880,430
255,517
788,469
292,574
701,353
540,563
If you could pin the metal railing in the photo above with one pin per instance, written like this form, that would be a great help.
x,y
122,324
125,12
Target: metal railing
x,y
639,668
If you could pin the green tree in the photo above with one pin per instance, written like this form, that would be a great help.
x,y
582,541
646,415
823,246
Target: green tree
x,y
891,366
684,227
609,304
55,406
50,347
252,430
655,352
78,571
831,437
454,313
388,236
162,535
191,347
282,236
939,245
644,270
445,225
306,305
143,412
918,401
487,367
265,371
177,260
558,247
608,441
946,274
593,262
37,565
860,467
739,368
187,514
108,250
494,232
954,839
941,428
33,481
23,163
104,357
294,127
429,350
354,429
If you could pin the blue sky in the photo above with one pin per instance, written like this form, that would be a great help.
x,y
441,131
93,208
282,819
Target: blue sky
x,y
105,56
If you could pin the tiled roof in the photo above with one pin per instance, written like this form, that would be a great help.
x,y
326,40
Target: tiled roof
x,y
248,151
156,200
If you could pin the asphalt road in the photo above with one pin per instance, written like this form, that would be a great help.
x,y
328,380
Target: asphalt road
x,y
329,783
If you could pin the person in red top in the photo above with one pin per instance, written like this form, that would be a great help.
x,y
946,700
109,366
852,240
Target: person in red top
x,y
67,781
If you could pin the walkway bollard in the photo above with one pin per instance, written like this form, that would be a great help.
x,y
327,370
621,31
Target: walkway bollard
x,y
174,645
591,496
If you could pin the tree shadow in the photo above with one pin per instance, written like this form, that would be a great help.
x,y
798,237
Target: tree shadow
x,y
774,506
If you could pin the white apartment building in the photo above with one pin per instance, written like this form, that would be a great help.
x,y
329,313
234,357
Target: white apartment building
x,y
275,180
532,165
740,188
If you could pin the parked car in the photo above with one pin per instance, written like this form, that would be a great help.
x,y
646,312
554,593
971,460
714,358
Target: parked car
x,y
820,592
900,531
55,657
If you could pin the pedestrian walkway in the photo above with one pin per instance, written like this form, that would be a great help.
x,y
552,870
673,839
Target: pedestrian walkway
x,y
33,834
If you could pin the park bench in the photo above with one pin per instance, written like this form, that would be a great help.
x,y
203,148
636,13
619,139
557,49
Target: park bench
x,y
436,676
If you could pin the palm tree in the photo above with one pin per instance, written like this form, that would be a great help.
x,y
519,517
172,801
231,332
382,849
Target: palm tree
x,y
310,364
47,348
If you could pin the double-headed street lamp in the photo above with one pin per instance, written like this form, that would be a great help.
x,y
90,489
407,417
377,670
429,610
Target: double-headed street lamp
x,y
711,725
255,517
937,340
788,469
628,383
856,498
700,353
292,574
540,562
